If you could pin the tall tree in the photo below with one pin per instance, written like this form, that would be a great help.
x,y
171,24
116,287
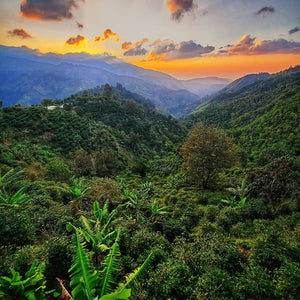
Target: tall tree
x,y
207,151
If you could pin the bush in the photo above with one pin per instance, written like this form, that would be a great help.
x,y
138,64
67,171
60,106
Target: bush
x,y
103,189
16,227
59,259
227,217
58,171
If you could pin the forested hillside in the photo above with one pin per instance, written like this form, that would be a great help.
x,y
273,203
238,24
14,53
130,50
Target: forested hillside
x,y
103,197
263,117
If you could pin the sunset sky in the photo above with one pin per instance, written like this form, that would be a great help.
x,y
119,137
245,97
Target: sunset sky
x,y
185,38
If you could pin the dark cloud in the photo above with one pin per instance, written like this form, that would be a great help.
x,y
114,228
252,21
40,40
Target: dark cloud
x,y
107,34
266,10
180,7
136,51
80,26
168,50
20,33
162,47
247,46
48,10
75,40
294,30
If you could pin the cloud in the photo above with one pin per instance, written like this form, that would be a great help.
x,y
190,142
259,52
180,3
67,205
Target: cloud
x,y
80,26
294,30
48,10
107,34
75,40
168,50
180,7
135,49
247,46
266,10
126,45
19,33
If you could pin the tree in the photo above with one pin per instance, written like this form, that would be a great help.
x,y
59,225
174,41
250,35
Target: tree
x,y
107,91
47,102
207,151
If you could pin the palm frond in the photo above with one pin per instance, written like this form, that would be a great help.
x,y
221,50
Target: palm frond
x,y
83,278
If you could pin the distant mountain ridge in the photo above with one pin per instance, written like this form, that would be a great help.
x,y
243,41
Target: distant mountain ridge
x,y
231,87
28,76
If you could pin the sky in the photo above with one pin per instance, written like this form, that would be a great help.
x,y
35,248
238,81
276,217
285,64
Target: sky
x,y
184,38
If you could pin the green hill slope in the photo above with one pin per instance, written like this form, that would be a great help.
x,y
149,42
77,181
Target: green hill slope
x,y
110,128
263,116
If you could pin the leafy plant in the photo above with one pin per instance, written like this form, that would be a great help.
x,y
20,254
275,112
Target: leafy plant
x,y
76,190
139,199
233,202
83,278
238,199
31,287
7,196
97,233
91,284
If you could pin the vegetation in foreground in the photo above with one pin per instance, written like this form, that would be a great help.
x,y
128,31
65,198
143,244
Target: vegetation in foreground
x,y
107,188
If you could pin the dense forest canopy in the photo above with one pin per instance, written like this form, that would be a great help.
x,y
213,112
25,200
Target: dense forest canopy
x,y
103,197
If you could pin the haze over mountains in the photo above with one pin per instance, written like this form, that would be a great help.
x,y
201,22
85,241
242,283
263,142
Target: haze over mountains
x,y
28,76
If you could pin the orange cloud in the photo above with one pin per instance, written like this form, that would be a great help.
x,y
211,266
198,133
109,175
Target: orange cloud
x,y
126,45
141,42
107,34
19,33
135,49
75,40
50,10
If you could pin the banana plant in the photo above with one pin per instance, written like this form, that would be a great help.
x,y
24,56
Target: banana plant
x,y
76,190
90,284
233,202
16,199
97,232
7,196
10,177
238,198
138,200
156,210
31,287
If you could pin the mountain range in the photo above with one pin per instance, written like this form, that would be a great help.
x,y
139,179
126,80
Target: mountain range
x,y
28,76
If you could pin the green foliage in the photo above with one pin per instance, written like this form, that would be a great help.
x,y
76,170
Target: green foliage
x,y
203,248
233,202
84,280
98,232
91,284
206,151
263,117
7,197
77,189
101,190
16,227
58,171
31,287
